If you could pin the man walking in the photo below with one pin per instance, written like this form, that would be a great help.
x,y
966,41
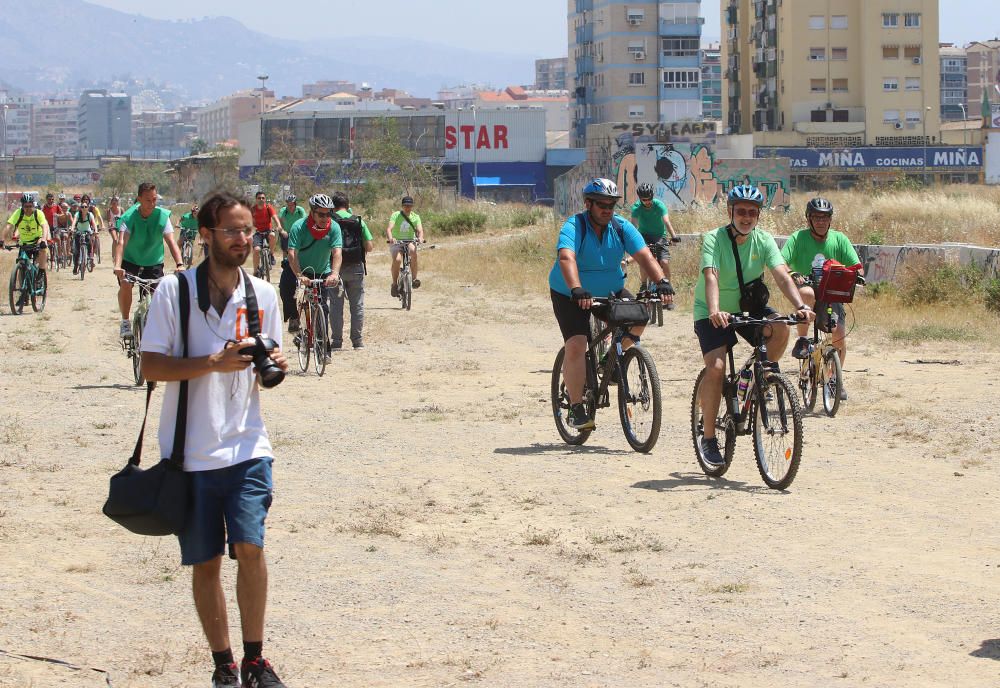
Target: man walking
x,y
227,451
356,243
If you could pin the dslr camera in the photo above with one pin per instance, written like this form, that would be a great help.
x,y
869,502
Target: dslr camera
x,y
271,375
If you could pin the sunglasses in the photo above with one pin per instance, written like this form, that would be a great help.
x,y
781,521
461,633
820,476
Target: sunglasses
x,y
747,212
233,232
610,205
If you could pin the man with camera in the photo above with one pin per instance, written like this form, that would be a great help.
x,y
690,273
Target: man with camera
x,y
227,451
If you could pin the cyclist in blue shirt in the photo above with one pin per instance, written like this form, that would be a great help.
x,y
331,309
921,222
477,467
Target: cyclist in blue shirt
x,y
589,254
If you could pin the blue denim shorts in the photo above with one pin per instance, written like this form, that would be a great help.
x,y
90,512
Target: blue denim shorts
x,y
232,500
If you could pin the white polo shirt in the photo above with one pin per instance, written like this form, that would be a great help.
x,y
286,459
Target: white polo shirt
x,y
224,426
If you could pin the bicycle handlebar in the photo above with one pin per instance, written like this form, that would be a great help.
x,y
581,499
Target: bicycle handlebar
x,y
141,281
807,280
641,296
740,320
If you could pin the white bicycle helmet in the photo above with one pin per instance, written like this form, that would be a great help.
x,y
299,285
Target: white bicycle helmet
x,y
321,201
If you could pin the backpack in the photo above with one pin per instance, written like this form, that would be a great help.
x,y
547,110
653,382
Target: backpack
x,y
353,241
20,217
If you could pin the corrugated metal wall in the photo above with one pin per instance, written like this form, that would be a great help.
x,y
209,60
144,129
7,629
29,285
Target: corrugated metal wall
x,y
495,136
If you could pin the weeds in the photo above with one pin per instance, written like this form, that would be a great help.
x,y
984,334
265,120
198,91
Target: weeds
x,y
631,541
734,588
933,333
533,536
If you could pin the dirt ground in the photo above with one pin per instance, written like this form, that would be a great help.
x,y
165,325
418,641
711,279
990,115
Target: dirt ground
x,y
430,529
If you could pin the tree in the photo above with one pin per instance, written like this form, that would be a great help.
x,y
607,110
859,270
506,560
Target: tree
x,y
387,163
199,146
123,178
290,167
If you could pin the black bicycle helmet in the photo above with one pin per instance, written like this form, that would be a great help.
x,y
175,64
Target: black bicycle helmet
x,y
407,200
27,198
819,206
644,191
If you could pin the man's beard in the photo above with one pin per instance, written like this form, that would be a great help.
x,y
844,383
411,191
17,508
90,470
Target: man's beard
x,y
224,258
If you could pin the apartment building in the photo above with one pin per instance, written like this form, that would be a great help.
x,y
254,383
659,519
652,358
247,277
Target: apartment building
x,y
54,128
550,74
220,121
954,82
983,73
711,82
832,72
634,61
16,114
105,122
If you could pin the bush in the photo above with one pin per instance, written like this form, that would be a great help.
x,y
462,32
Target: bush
x,y
991,294
877,290
927,282
457,222
876,237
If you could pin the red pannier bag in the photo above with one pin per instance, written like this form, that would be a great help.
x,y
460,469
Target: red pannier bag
x,y
837,283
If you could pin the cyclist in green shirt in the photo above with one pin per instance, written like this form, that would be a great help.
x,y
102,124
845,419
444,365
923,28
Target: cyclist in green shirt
x,y
288,216
809,248
652,219
31,228
404,224
314,249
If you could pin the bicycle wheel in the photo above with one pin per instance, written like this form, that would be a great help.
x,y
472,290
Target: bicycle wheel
x,y
833,381
560,404
265,264
777,432
321,339
97,250
725,432
41,291
136,356
303,339
16,293
639,408
187,253
406,290
808,382
81,259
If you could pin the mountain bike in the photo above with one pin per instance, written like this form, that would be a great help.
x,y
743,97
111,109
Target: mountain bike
x,y
82,262
404,284
96,245
27,281
313,336
608,363
266,260
822,369
130,345
756,400
187,250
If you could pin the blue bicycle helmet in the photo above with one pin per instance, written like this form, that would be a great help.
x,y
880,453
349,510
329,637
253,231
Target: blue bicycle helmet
x,y
601,188
747,193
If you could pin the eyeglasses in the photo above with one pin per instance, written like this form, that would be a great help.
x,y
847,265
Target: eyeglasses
x,y
233,232
747,212
610,205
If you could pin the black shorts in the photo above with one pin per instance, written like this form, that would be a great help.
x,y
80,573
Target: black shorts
x,y
147,272
660,248
711,337
574,320
260,239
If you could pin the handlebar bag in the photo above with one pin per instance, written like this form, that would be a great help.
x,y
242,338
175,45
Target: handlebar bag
x,y
837,283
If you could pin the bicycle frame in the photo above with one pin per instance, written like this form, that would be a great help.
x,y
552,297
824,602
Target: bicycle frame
x,y
612,361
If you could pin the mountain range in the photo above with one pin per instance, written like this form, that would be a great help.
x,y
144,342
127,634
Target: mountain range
x,y
205,59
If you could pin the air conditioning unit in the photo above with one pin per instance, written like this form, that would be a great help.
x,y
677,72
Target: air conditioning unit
x,y
897,125
638,55
911,125
635,21
917,60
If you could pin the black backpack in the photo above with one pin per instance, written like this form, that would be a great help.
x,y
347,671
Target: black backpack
x,y
353,241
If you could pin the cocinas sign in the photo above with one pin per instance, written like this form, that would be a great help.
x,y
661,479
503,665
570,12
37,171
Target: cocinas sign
x,y
877,157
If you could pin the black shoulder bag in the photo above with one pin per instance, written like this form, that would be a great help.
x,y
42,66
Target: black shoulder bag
x,y
755,295
155,501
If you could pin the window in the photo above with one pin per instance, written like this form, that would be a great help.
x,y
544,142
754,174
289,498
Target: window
x,y
840,86
635,15
681,78
890,20
817,116
912,116
890,83
840,116
890,52
911,20
838,53
838,21
817,22
680,12
637,49
911,51
637,79
890,116
636,111
817,53
680,47
913,83
817,85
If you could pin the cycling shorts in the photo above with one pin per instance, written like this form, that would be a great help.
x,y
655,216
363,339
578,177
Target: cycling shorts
x,y
711,337
148,272
260,239
396,248
660,248
574,320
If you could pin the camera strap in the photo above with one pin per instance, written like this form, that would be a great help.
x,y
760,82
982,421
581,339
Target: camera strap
x,y
204,301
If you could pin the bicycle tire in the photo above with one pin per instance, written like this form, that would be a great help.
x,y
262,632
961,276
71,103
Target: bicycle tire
x,y
723,425
97,249
303,341
265,265
789,451
40,292
643,396
81,260
560,405
136,355
833,381
321,340
808,383
187,253
406,291
16,291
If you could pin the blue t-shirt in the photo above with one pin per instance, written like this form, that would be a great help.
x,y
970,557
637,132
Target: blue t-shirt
x,y
598,262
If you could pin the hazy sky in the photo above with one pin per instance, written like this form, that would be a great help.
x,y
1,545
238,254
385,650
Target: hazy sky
x,y
525,27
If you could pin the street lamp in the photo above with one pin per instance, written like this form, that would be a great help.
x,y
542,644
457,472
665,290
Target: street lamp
x,y
965,119
263,78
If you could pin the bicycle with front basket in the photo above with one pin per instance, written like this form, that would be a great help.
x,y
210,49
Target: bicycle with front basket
x,y
608,363
130,345
27,282
757,400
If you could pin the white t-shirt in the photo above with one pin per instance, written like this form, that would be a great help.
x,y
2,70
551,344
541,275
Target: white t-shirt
x,y
224,426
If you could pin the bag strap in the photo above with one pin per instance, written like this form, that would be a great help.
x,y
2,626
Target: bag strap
x,y
253,313
180,428
736,255
137,452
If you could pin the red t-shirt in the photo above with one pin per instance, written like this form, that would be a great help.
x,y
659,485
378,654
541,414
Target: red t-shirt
x,y
50,213
262,216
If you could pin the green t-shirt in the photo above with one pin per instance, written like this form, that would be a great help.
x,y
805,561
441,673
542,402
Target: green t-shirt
x,y
365,234
189,224
756,253
145,235
314,253
31,228
649,221
802,249
287,219
401,229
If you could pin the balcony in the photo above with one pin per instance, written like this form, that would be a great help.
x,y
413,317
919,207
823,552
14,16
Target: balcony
x,y
584,6
584,65
585,34
690,26
677,61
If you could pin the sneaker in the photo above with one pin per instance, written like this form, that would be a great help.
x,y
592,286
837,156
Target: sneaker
x,y
843,394
293,324
802,348
416,284
579,419
359,345
226,675
327,360
259,674
710,453
125,330
394,291
670,306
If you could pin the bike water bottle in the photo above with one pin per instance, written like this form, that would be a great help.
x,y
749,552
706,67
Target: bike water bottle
x,y
746,375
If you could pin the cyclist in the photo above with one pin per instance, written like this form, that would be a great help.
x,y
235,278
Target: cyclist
x,y
356,242
291,213
27,224
144,228
652,218
83,227
589,251
63,220
807,249
314,248
717,295
404,225
189,225
96,209
265,219
114,219
51,209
